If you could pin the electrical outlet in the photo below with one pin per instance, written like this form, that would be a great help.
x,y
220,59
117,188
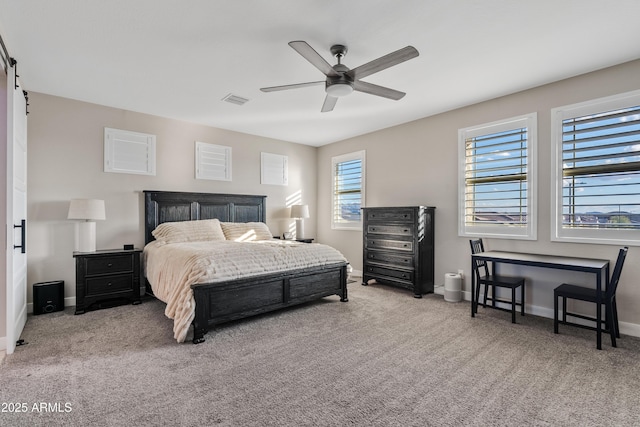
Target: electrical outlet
x,y
461,273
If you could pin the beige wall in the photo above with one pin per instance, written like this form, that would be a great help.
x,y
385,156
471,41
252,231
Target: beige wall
x,y
66,161
416,163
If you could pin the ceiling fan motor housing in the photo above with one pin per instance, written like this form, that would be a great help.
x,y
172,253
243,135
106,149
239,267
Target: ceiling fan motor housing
x,y
340,85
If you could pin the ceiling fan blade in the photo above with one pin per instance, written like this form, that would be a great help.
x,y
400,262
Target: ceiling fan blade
x,y
372,89
314,57
329,103
294,86
384,62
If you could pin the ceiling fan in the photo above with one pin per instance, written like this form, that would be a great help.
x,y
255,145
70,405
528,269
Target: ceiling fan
x,y
341,81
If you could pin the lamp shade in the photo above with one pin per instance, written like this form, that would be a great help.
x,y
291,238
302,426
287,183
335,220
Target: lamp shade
x,y
87,209
300,211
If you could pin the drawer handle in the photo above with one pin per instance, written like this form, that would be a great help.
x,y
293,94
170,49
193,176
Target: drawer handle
x,y
110,265
406,245
404,276
406,230
109,284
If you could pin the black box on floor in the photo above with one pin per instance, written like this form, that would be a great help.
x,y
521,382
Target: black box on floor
x,y
48,297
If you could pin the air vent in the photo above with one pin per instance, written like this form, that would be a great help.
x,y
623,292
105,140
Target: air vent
x,y
235,99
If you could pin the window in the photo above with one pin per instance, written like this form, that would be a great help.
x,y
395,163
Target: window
x,y
597,170
497,194
348,191
274,169
129,152
213,162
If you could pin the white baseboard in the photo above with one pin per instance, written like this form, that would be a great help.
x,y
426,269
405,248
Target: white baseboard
x,y
3,345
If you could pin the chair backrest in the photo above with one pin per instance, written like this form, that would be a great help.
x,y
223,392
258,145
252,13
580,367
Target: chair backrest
x,y
617,270
476,248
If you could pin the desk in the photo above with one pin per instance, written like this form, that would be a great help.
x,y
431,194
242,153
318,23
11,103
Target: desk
x,y
599,267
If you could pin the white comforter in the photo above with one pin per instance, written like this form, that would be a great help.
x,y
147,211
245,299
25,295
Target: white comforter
x,y
172,268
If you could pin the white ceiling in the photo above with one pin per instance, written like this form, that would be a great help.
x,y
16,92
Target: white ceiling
x,y
178,59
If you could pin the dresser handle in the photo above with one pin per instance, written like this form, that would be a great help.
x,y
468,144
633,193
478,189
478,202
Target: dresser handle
x,y
109,284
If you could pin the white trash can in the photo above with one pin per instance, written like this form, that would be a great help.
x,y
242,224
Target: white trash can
x,y
452,287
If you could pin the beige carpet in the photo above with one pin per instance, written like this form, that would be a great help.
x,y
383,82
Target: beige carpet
x,y
381,359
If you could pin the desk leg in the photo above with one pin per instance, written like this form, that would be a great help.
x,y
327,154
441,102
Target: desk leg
x,y
473,290
599,311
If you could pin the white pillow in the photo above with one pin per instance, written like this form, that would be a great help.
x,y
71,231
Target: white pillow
x,y
246,231
189,231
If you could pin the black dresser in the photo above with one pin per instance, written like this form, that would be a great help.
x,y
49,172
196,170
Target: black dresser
x,y
398,247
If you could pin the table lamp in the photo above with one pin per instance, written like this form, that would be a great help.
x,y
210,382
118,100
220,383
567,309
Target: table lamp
x,y
299,212
88,210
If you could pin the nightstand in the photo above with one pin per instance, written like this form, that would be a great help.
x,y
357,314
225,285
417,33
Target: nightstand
x,y
106,278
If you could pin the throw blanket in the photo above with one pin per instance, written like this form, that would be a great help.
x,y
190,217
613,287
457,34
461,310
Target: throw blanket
x,y
172,268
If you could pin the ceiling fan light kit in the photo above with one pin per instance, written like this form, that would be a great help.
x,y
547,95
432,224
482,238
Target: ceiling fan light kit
x,y
340,80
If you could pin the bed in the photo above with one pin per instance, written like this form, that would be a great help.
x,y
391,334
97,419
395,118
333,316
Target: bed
x,y
223,301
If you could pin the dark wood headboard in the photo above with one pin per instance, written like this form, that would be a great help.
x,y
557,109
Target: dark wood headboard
x,y
169,206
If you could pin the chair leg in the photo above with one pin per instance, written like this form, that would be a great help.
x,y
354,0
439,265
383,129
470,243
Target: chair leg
x,y
555,312
522,297
513,305
614,315
610,322
564,309
478,296
486,294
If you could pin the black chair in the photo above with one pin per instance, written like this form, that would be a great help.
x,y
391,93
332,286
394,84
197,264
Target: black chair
x,y
483,277
607,297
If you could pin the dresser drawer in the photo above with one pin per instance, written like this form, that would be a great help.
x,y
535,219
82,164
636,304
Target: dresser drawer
x,y
395,215
401,245
384,257
398,230
108,265
109,284
389,272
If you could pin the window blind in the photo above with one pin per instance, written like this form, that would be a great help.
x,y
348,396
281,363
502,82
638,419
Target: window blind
x,y
213,162
601,170
347,191
495,178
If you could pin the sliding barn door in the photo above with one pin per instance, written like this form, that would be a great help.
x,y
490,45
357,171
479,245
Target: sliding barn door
x,y
16,283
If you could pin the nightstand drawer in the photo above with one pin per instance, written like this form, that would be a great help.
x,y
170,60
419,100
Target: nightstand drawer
x,y
109,284
109,265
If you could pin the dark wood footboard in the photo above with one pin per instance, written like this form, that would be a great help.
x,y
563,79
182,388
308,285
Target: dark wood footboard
x,y
237,299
